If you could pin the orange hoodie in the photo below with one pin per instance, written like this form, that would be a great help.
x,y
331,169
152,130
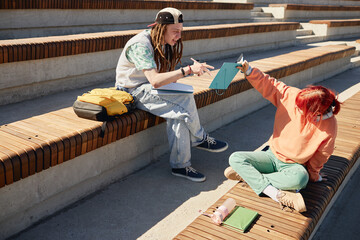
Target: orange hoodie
x,y
311,145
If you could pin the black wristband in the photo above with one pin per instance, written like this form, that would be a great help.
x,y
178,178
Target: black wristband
x,y
183,72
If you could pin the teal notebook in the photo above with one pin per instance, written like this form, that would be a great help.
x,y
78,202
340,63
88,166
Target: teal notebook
x,y
225,75
240,218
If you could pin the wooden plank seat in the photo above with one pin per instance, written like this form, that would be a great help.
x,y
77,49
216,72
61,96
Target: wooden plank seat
x,y
319,2
308,7
37,143
303,12
49,47
334,28
273,223
338,23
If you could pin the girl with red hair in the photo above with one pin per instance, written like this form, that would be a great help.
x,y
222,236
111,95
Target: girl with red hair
x,y
302,141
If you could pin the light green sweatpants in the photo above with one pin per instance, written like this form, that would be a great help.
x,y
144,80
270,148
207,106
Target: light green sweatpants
x,y
261,168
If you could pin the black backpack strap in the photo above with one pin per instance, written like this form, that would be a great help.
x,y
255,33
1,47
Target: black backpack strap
x,y
103,128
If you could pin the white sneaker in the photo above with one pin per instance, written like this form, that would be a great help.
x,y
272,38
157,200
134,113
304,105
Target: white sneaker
x,y
232,175
291,200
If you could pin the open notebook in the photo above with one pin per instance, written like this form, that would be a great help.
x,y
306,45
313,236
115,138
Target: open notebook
x,y
173,88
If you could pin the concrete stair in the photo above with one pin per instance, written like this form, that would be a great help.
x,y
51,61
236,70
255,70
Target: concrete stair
x,y
305,36
257,12
263,19
257,15
304,32
355,59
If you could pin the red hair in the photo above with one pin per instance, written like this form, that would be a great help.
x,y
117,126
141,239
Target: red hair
x,y
315,101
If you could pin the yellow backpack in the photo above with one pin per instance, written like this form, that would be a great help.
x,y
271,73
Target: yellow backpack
x,y
103,104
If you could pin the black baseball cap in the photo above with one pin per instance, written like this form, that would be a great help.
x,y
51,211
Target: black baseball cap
x,y
168,16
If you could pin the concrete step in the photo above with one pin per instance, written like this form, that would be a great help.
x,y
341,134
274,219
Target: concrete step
x,y
260,14
357,48
355,62
263,19
304,32
309,39
257,9
357,51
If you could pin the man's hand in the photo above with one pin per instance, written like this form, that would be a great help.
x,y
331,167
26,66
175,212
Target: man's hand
x,y
200,68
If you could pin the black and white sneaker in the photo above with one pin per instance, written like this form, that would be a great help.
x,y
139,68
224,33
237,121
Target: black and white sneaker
x,y
189,173
212,145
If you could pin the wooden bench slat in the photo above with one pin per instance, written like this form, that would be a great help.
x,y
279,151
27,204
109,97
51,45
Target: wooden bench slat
x,y
48,133
349,126
39,155
67,137
308,7
314,200
26,133
26,155
8,168
230,233
66,129
203,233
193,235
92,126
213,232
337,22
42,149
12,163
60,121
337,164
183,237
2,174
346,150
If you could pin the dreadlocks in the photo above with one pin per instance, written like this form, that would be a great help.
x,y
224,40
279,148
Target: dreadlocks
x,y
166,56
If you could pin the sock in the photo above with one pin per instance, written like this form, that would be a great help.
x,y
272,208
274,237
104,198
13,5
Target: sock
x,y
272,192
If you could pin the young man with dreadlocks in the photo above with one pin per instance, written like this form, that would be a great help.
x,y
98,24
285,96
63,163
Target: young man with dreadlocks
x,y
302,141
148,61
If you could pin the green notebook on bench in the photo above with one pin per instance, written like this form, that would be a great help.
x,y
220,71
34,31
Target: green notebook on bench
x,y
240,218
